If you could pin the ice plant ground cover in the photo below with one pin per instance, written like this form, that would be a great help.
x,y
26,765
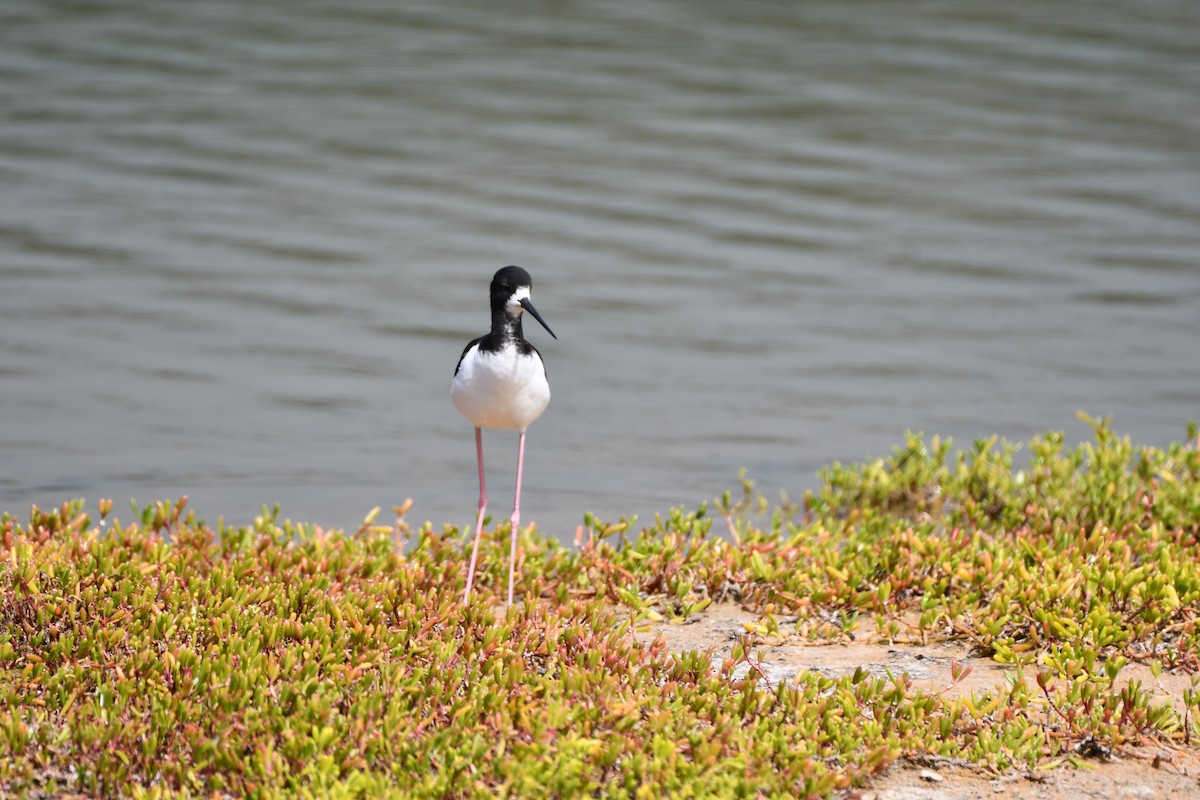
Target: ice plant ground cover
x,y
165,656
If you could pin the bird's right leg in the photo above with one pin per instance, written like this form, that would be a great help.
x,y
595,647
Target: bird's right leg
x,y
479,521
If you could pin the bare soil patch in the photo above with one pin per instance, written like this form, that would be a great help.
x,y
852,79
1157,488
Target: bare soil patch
x,y
1138,774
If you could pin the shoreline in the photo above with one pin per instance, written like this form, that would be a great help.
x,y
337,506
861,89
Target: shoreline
x,y
957,626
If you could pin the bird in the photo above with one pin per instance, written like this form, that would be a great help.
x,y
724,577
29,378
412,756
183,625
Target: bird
x,y
500,382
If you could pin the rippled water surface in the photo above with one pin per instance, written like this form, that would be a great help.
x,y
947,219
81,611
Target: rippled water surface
x,y
243,244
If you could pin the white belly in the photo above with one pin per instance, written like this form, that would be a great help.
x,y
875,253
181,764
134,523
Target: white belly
x,y
500,390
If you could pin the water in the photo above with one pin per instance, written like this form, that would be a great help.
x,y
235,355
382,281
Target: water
x,y
242,245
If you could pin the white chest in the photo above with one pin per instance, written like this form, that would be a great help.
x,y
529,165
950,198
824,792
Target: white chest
x,y
504,389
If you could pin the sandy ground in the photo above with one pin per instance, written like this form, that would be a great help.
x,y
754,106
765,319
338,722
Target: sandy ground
x,y
1143,774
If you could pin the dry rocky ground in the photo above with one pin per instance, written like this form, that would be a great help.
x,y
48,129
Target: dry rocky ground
x,y
1143,774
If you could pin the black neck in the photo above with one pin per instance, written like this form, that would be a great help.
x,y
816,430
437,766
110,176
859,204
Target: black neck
x,y
506,326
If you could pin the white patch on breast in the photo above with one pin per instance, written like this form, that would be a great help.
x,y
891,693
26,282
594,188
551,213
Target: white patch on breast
x,y
500,390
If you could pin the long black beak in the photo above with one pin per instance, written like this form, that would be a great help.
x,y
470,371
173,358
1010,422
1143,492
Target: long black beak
x,y
528,306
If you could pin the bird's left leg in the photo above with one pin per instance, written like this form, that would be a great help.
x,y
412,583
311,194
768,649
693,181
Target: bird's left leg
x,y
516,518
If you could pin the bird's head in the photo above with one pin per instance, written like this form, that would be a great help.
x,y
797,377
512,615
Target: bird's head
x,y
510,291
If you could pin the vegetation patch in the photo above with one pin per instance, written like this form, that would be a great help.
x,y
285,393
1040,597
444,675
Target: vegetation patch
x,y
169,657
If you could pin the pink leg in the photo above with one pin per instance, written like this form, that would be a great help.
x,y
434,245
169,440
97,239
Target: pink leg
x,y
479,522
516,518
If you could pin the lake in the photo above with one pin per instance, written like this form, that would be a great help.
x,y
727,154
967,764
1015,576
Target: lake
x,y
242,245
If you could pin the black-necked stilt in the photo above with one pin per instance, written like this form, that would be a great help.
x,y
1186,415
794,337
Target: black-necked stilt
x,y
500,382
